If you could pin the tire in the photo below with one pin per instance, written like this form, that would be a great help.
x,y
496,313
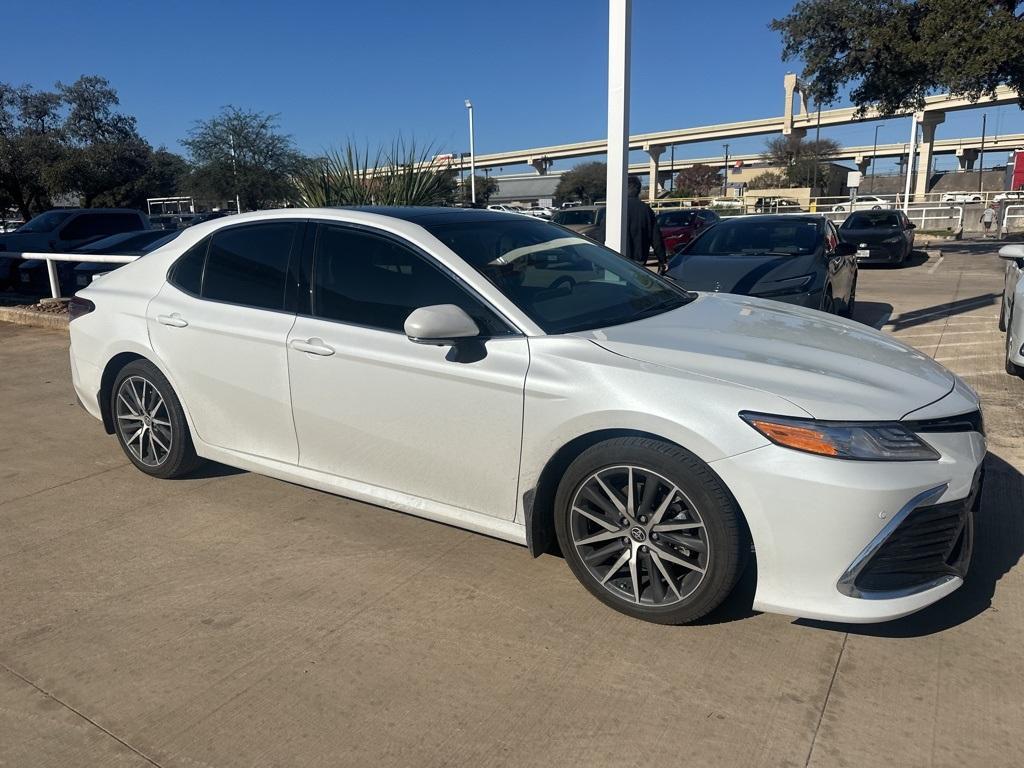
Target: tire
x,y
646,567
1011,367
851,302
828,302
143,405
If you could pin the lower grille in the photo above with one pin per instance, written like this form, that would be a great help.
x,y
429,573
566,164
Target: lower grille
x,y
931,543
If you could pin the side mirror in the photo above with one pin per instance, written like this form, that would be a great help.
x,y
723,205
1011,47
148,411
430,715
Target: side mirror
x,y
1013,252
440,325
911,225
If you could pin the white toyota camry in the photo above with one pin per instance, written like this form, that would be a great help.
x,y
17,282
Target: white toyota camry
x,y
505,375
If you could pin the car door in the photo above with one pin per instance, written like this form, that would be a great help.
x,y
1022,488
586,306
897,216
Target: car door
x,y
840,266
442,423
220,325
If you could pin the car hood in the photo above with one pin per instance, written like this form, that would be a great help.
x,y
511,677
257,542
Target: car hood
x,y
829,367
739,274
867,235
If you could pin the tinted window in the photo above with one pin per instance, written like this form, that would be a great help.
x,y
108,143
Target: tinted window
x,y
761,235
872,220
45,222
561,281
369,280
249,265
99,225
677,218
187,272
575,216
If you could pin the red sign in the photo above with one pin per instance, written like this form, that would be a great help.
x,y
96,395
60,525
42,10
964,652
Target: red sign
x,y
1017,182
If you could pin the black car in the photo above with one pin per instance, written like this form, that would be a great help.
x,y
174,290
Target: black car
x,y
62,230
795,259
885,237
128,244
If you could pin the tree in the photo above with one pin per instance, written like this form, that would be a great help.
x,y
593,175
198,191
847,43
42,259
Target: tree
x,y
586,182
768,180
165,175
697,180
241,152
801,161
67,141
895,52
485,187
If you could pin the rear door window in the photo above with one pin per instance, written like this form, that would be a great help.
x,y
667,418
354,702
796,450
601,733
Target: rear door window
x,y
249,264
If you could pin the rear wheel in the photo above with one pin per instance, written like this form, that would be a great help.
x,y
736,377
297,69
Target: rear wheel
x,y
150,423
649,530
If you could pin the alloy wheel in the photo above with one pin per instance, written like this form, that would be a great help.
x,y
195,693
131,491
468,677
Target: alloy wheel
x,y
143,421
639,536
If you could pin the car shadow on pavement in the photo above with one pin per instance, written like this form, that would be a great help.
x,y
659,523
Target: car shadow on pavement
x,y
998,547
873,313
210,469
938,311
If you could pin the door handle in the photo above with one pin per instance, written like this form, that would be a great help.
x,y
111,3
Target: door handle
x,y
312,346
174,320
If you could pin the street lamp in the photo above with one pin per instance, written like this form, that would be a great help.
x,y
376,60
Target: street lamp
x,y
874,151
472,155
725,176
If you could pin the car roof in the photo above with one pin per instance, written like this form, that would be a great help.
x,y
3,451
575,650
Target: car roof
x,y
433,214
807,217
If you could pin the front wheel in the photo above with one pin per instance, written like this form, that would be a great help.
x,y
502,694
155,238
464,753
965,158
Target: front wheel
x,y
150,423
649,530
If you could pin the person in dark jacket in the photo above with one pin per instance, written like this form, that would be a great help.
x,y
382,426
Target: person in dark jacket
x,y
642,231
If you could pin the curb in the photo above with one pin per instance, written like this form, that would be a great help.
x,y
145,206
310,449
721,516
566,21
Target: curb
x,y
20,316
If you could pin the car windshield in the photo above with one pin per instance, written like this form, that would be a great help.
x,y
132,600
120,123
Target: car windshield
x,y
560,281
575,216
783,236
124,242
45,222
676,218
872,220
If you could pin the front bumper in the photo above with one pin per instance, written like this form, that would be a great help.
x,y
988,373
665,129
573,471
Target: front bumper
x,y
813,519
880,253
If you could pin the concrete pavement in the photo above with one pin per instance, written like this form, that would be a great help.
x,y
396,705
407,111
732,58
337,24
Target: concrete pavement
x,y
234,620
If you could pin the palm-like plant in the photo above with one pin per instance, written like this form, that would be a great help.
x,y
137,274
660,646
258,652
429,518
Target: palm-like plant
x,y
399,175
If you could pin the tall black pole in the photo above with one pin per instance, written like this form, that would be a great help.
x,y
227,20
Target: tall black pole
x,y
874,155
817,150
725,177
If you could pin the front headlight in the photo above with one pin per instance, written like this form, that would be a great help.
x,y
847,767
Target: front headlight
x,y
782,287
860,441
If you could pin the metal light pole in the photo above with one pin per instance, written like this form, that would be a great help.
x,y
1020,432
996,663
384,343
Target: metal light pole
x,y
234,172
981,153
472,155
672,165
874,154
619,15
725,177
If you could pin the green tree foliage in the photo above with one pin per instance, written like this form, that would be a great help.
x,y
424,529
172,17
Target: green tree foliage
x,y
401,174
485,187
768,180
586,182
242,152
892,53
71,140
797,159
696,181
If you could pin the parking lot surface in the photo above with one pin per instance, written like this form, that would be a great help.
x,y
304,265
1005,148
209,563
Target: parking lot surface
x,y
234,620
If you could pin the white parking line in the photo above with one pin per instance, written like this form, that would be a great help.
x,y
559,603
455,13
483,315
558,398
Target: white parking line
x,y
946,333
955,358
931,270
965,344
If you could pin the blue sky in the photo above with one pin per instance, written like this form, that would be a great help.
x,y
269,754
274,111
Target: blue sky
x,y
371,70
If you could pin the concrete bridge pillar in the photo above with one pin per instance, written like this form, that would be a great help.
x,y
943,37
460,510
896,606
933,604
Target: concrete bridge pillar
x,y
792,87
862,162
541,164
654,152
966,158
928,122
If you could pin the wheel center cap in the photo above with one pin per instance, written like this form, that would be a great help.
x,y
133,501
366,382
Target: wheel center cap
x,y
637,533
147,421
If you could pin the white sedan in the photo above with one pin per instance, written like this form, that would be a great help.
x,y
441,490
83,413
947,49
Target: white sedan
x,y
504,375
1011,309
865,203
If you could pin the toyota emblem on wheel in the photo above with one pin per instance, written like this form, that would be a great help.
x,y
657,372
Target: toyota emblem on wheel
x,y
638,533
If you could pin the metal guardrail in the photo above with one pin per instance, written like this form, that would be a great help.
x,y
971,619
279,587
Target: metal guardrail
x,y
921,215
1009,217
51,258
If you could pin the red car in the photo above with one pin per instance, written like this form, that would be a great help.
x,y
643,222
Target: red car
x,y
680,226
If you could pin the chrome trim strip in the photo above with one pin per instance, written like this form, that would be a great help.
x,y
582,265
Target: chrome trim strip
x,y
846,582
